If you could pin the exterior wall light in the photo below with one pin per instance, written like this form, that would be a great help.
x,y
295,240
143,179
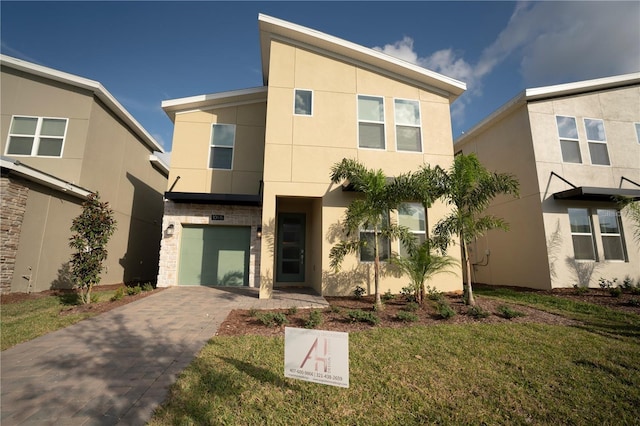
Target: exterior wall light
x,y
259,232
170,229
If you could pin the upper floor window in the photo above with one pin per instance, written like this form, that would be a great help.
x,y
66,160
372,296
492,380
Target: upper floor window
x,y
611,233
412,216
36,136
303,102
582,234
597,141
568,133
638,132
371,122
222,140
408,127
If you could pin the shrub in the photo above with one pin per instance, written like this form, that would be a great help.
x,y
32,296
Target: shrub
x,y
409,293
628,283
334,308
607,284
434,294
580,290
615,291
273,318
315,319
94,298
407,316
147,287
388,296
444,310
633,302
119,294
253,312
508,313
359,292
477,312
292,310
411,307
358,315
131,291
635,290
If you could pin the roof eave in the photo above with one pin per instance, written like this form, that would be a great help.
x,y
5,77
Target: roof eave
x,y
251,95
276,28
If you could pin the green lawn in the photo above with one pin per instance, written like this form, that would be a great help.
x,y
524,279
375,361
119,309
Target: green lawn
x,y
446,374
27,320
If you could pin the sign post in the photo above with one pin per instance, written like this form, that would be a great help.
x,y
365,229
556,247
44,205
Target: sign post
x,y
317,356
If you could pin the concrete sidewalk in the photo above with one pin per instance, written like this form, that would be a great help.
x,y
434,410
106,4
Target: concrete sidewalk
x,y
116,368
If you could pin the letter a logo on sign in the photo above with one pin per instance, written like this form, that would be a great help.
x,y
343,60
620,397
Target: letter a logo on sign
x,y
318,358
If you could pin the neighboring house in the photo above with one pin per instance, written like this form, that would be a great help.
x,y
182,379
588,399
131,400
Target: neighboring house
x,y
63,137
574,148
250,200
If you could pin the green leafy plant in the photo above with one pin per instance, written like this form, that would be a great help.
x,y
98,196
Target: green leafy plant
x,y
508,312
335,309
147,287
633,302
132,291
359,292
444,310
91,231
119,294
580,290
477,312
253,312
411,307
292,310
358,315
272,319
388,296
407,316
615,291
315,319
408,293
607,284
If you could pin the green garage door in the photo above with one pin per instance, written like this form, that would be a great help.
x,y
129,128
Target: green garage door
x,y
214,255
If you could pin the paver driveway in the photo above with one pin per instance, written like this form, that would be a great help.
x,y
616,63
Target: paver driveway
x,y
116,368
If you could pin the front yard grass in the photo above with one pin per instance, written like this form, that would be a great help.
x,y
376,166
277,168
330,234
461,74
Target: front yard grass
x,y
26,320
445,374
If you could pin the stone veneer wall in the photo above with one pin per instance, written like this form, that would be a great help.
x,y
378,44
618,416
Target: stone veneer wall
x,y
13,196
200,214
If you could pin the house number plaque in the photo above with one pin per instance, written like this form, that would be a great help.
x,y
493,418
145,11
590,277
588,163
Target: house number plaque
x,y
217,217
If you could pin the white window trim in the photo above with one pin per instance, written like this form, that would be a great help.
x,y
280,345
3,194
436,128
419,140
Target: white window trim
x,y
589,141
619,235
637,129
294,102
384,126
419,126
211,145
584,234
414,232
37,136
560,138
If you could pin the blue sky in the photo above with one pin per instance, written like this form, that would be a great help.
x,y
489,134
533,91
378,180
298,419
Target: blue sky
x,y
147,52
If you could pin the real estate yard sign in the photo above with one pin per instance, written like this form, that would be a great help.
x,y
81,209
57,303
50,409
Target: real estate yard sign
x,y
317,356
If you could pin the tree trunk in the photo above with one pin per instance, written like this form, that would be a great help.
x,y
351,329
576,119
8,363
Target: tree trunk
x,y
376,269
470,299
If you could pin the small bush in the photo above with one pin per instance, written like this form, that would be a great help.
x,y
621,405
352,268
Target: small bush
x,y
615,291
508,313
335,309
411,307
292,310
628,283
409,293
635,291
444,310
359,292
433,294
407,316
358,315
147,287
580,290
132,291
94,298
633,302
273,319
253,312
477,312
607,284
315,319
388,296
119,294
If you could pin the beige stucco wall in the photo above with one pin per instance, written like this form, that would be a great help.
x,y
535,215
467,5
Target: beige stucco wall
x,y
100,154
538,252
191,144
300,150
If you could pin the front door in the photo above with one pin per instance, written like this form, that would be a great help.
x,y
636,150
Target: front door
x,y
291,230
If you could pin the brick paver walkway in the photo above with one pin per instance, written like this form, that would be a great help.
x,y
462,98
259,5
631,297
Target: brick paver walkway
x,y
116,368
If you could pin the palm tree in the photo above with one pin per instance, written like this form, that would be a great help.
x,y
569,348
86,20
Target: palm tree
x,y
370,212
421,264
469,187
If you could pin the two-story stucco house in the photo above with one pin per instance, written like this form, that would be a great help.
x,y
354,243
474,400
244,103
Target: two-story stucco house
x,y
250,201
64,137
574,148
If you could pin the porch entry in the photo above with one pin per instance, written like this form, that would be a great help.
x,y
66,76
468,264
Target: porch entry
x,y
290,246
214,256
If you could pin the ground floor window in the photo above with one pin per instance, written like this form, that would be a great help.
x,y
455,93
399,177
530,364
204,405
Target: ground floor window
x,y
584,237
412,215
582,234
367,246
611,233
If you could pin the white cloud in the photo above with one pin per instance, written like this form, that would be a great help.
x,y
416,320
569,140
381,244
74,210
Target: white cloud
x,y
402,49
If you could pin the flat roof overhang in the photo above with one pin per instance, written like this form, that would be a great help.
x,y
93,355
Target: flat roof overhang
x,y
219,199
589,193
